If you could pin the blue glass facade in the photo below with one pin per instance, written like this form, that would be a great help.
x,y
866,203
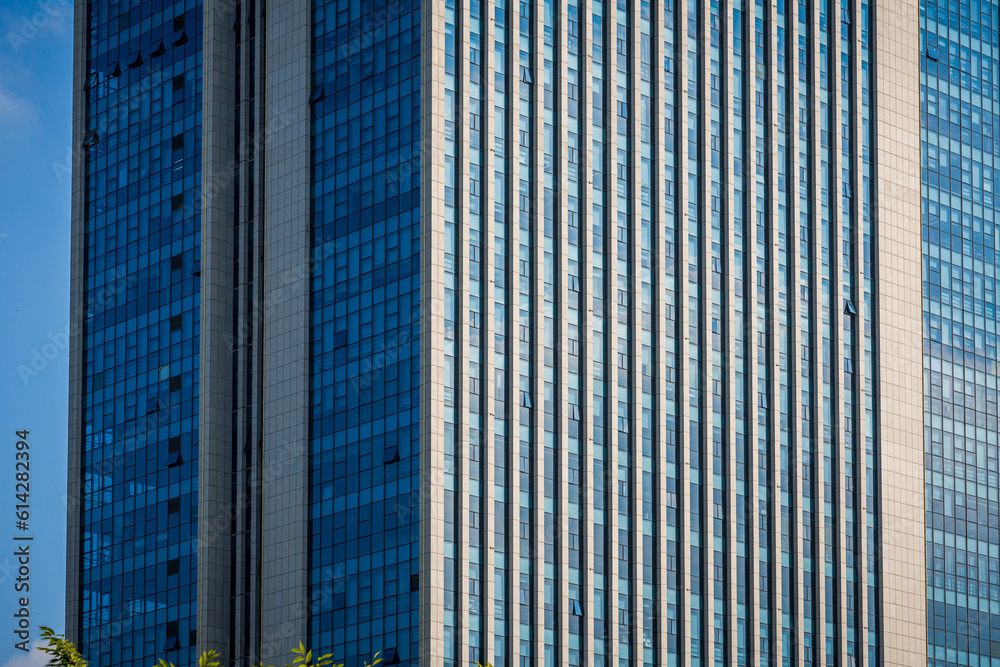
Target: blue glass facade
x,y
140,340
366,329
960,115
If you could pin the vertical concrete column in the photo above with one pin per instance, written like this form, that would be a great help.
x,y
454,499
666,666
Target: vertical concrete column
x,y
704,537
513,500
816,341
609,292
287,278
730,324
432,292
773,394
487,343
536,381
77,321
795,263
685,194
860,325
463,344
754,593
902,565
588,340
838,318
215,465
635,320
661,329
563,510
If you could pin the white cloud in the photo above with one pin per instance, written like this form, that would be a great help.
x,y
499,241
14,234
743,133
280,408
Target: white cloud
x,y
33,658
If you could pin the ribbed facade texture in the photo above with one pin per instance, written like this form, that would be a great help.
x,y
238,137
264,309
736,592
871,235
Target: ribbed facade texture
x,y
659,436
548,332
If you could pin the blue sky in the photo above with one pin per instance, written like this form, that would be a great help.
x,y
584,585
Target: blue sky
x,y
35,122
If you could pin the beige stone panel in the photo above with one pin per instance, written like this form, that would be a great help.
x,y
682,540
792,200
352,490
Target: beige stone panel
x,y
899,315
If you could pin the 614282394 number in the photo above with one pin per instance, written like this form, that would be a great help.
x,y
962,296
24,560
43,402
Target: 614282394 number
x,y
22,480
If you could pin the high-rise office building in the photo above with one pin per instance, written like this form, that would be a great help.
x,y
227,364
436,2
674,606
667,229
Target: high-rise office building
x,y
549,332
960,112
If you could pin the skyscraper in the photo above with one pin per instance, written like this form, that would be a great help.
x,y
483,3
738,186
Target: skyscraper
x,y
960,103
557,332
